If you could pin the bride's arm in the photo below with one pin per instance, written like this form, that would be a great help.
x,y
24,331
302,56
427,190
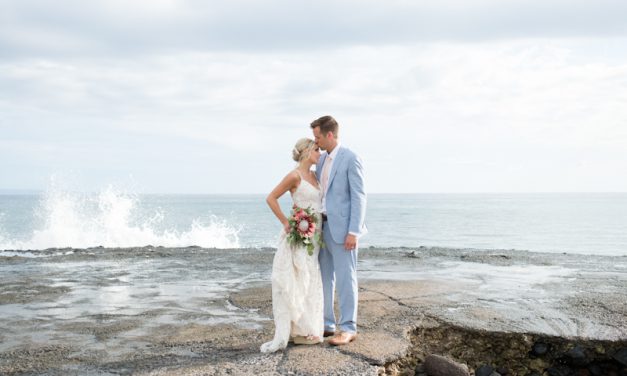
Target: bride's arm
x,y
289,182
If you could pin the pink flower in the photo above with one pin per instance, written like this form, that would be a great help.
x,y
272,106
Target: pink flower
x,y
301,214
302,228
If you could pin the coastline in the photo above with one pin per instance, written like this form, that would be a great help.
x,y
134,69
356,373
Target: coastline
x,y
412,302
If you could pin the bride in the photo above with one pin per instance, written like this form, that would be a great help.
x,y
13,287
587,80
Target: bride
x,y
297,297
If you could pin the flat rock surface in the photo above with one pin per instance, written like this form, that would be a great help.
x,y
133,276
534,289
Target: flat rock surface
x,y
101,312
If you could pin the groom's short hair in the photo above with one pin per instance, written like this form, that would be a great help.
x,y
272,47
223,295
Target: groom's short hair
x,y
327,124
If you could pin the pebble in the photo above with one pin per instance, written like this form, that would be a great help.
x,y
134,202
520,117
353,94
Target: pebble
x,y
437,365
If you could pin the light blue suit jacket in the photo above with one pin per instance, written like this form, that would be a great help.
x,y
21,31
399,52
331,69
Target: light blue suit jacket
x,y
346,196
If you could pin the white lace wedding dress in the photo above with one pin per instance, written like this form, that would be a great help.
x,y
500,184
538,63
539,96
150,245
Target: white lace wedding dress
x,y
297,299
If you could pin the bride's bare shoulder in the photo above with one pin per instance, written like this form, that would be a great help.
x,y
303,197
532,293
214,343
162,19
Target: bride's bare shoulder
x,y
292,179
293,176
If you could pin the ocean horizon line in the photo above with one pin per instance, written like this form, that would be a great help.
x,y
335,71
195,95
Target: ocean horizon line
x,y
8,192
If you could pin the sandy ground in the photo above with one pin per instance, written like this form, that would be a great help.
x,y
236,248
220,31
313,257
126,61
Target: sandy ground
x,y
167,312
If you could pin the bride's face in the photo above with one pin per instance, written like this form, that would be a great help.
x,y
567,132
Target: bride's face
x,y
314,154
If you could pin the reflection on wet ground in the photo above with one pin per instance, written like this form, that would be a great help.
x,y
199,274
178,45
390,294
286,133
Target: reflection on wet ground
x,y
96,296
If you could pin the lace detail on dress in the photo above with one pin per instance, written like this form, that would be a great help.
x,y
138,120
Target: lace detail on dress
x,y
297,299
307,196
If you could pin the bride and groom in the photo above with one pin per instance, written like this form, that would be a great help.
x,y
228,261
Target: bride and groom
x,y
303,285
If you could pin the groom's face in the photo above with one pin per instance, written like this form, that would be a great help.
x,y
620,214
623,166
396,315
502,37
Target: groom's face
x,y
321,140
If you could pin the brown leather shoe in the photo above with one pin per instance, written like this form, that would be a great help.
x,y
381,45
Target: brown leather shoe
x,y
342,338
328,334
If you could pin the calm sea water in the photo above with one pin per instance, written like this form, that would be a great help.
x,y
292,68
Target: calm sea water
x,y
571,223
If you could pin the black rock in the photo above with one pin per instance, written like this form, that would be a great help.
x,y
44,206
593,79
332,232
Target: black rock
x,y
621,356
596,370
577,356
539,349
484,370
503,371
436,365
559,371
534,373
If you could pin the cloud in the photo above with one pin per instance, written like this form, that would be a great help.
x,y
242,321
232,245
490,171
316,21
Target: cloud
x,y
97,28
496,95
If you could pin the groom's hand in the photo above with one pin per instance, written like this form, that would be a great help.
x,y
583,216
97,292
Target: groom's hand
x,y
350,243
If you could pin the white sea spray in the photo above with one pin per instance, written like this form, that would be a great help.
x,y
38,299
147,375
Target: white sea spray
x,y
108,219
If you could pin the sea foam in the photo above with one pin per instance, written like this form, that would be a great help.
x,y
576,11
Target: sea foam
x,y
111,219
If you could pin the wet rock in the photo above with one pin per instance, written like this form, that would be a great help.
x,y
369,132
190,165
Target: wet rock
x,y
539,349
621,356
436,365
577,356
559,371
484,370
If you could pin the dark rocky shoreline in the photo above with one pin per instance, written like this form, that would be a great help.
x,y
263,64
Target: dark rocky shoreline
x,y
503,354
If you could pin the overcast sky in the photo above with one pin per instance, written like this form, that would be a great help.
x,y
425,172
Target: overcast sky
x,y
193,96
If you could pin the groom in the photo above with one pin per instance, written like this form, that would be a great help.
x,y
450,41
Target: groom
x,y
341,178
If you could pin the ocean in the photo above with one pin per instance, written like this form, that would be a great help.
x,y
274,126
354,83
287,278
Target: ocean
x,y
580,223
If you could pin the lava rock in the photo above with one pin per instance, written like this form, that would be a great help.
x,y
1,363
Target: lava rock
x,y
484,370
437,365
596,370
559,371
539,349
419,371
621,356
577,356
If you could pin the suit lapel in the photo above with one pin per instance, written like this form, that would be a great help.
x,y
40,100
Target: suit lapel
x,y
320,165
336,164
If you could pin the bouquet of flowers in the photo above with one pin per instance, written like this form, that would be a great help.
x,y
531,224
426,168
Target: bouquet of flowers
x,y
303,229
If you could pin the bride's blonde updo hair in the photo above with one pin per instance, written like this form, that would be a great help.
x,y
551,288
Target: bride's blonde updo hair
x,y
303,147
